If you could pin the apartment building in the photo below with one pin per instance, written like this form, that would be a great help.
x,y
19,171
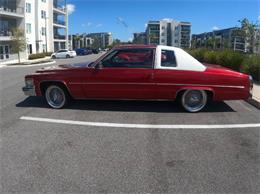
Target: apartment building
x,y
80,41
169,32
96,40
222,39
11,16
45,24
139,38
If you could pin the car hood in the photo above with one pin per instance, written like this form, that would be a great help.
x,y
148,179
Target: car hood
x,y
64,67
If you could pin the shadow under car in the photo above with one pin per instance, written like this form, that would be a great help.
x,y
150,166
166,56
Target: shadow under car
x,y
125,105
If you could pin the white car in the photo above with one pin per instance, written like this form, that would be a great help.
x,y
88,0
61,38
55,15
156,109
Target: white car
x,y
64,53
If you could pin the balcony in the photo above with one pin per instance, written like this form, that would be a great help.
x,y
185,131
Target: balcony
x,y
59,6
5,35
59,23
60,37
18,12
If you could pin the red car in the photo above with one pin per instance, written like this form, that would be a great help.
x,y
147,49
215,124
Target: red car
x,y
143,72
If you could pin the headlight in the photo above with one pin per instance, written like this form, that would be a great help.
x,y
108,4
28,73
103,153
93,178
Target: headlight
x,y
29,83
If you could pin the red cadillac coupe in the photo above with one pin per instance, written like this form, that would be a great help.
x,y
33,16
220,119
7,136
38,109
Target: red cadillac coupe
x,y
140,72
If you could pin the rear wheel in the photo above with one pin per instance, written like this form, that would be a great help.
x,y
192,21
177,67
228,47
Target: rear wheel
x,y
194,100
56,96
53,57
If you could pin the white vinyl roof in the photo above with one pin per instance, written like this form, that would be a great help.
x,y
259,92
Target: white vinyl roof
x,y
184,60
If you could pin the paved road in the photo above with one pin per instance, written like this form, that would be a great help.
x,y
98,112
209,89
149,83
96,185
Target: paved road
x,y
42,157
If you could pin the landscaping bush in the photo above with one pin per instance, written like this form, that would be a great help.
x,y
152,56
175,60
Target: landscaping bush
x,y
198,53
230,59
226,58
39,55
48,53
36,56
210,57
251,66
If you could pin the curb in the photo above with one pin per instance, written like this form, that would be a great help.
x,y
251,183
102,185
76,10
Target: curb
x,y
23,66
1,66
253,102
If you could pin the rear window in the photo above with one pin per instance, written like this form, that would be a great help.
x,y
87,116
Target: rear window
x,y
168,59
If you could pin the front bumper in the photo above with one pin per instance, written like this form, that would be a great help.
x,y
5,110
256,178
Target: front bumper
x,y
29,91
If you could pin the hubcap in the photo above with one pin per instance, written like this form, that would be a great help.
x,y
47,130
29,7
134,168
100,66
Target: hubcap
x,y
55,97
194,100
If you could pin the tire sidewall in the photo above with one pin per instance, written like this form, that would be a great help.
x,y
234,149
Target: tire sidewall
x,y
47,96
205,99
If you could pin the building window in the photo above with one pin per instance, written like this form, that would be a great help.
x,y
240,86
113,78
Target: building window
x,y
163,41
43,14
28,28
175,41
28,8
163,27
43,31
43,47
163,34
44,1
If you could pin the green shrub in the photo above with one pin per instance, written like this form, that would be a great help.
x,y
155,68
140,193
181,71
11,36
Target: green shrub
x,y
48,53
226,58
230,59
36,56
251,66
198,54
210,57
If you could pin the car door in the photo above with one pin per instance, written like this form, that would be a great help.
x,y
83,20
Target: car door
x,y
59,54
124,74
166,75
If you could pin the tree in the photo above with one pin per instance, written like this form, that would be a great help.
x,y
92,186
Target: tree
x,y
18,42
96,43
116,42
77,40
251,33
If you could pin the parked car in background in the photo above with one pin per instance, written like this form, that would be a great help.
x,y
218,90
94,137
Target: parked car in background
x,y
63,53
95,51
143,72
83,51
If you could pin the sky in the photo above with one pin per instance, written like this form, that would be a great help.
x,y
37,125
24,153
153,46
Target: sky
x,y
123,17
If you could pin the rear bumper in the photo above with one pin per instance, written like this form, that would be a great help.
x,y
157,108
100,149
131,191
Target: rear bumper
x,y
29,91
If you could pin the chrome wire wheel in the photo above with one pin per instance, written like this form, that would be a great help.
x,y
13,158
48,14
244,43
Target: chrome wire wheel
x,y
55,96
194,100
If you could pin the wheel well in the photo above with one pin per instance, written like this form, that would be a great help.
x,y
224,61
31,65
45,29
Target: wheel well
x,y
45,84
210,94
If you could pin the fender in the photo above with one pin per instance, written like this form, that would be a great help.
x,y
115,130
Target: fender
x,y
196,87
38,88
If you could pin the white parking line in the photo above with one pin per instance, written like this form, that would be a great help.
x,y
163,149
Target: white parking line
x,y
140,126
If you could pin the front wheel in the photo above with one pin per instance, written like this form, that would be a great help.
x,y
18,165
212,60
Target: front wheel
x,y
67,56
56,96
194,100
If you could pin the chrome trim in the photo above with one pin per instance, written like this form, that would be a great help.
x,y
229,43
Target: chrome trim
x,y
251,85
174,84
29,91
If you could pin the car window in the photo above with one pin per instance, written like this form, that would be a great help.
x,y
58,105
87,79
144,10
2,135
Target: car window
x,y
168,58
130,58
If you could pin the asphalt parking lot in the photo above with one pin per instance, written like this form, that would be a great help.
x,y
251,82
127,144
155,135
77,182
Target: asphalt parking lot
x,y
93,157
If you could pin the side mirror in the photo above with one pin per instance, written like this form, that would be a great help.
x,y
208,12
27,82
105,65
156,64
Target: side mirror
x,y
99,66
